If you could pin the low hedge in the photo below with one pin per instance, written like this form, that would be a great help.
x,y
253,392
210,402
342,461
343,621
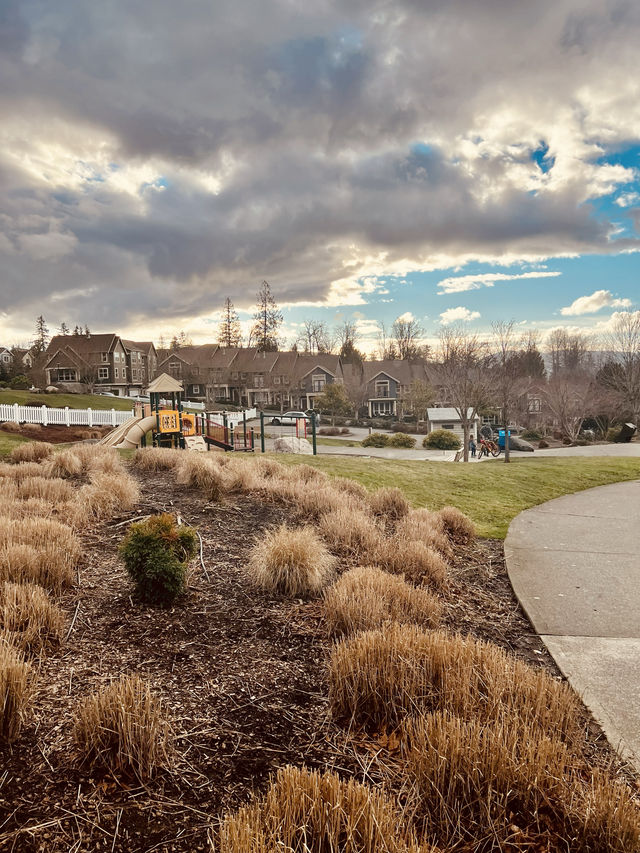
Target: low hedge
x,y
442,439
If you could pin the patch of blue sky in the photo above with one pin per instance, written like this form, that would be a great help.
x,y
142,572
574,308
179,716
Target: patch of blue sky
x,y
540,156
627,156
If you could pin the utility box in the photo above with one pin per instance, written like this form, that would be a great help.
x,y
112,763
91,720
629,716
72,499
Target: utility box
x,y
501,438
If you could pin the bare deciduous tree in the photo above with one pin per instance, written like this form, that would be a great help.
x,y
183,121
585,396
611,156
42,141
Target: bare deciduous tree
x,y
623,346
571,397
406,334
464,375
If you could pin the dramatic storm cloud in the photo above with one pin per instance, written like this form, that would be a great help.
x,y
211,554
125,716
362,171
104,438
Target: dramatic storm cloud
x,y
157,157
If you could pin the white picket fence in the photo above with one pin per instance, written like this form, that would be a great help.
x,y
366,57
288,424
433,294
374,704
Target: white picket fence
x,y
63,417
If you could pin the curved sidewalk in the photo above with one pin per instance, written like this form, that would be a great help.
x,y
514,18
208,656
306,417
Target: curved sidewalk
x,y
574,564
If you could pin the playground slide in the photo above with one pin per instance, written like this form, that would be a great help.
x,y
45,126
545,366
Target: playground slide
x,y
132,437
115,436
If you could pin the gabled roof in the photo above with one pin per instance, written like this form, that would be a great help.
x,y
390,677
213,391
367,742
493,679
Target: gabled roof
x,y
164,384
140,346
67,352
324,360
404,372
446,413
84,344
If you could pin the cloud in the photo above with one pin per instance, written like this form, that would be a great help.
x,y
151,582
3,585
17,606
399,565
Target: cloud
x,y
460,283
161,171
458,315
628,199
598,300
407,317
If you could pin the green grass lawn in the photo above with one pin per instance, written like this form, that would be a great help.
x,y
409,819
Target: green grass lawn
x,y
8,441
59,401
491,494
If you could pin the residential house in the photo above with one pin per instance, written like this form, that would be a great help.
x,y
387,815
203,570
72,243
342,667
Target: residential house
x,y
81,363
142,362
388,385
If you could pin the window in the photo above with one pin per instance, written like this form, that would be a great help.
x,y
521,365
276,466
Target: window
x,y
6,357
234,375
318,381
66,374
195,389
258,380
447,426
104,357
134,373
116,372
382,388
276,380
534,404
103,373
243,375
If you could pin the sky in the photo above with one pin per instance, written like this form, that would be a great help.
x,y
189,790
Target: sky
x,y
449,161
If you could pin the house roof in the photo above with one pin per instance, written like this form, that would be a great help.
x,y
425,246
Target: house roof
x,y
164,384
83,344
445,413
404,372
324,360
141,346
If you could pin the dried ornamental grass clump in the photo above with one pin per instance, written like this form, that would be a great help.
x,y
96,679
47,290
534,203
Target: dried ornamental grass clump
x,y
291,561
23,470
304,811
365,598
156,459
350,533
389,503
377,678
55,491
16,684
28,618
350,487
457,525
66,463
239,476
107,494
38,550
199,472
32,451
123,729
415,560
488,785
426,527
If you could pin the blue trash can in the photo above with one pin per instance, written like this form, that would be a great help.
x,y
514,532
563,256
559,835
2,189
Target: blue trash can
x,y
501,438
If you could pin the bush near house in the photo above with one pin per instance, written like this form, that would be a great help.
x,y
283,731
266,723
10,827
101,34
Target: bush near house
x,y
376,439
441,439
399,439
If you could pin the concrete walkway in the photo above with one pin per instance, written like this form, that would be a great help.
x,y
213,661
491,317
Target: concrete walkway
x,y
574,564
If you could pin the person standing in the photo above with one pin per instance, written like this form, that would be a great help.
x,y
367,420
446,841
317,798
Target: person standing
x,y
472,446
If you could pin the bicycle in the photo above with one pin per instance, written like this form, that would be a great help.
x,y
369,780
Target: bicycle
x,y
487,447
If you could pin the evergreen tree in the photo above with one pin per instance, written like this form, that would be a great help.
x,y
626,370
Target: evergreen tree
x,y
77,330
64,329
42,335
268,319
229,333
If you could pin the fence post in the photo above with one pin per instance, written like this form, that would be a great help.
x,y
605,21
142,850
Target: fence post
x,y
89,418
16,416
43,415
262,432
66,416
113,418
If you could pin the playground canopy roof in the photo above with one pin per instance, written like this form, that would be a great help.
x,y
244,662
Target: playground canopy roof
x,y
164,384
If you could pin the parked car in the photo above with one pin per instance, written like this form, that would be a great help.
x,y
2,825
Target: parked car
x,y
289,418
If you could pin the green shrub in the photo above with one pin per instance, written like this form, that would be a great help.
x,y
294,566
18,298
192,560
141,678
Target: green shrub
x,y
400,439
376,439
19,383
156,553
530,435
613,433
441,439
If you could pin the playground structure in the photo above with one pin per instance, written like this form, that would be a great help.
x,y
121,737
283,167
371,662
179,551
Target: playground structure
x,y
171,426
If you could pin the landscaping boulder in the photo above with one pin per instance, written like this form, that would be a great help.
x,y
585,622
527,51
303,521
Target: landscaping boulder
x,y
291,444
516,443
